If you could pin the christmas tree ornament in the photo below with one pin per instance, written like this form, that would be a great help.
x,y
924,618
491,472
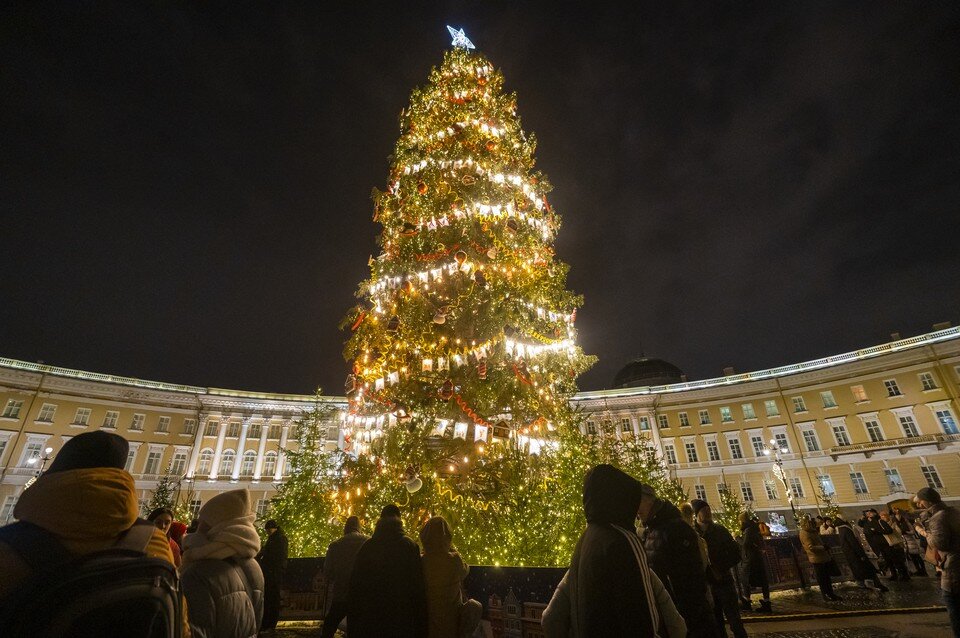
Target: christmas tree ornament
x,y
492,253
468,180
439,317
480,278
460,256
512,225
482,368
422,187
408,229
446,390
393,324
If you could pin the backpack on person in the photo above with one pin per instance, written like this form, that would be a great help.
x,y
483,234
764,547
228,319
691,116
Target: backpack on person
x,y
118,592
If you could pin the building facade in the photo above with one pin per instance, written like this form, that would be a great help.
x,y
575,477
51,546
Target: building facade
x,y
866,427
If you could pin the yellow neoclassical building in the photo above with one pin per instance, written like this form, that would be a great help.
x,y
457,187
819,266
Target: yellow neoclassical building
x,y
870,426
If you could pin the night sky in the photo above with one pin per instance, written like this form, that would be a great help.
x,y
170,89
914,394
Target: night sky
x,y
184,186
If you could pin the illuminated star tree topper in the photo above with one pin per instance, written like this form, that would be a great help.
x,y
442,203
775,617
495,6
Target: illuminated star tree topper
x,y
460,38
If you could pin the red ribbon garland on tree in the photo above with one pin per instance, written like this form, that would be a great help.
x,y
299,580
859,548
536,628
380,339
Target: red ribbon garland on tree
x,y
469,411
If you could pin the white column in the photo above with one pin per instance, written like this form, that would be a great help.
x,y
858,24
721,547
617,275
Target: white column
x,y
243,441
197,444
264,430
281,454
216,455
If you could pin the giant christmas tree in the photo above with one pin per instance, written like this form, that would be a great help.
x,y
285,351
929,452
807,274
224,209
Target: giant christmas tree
x,y
463,347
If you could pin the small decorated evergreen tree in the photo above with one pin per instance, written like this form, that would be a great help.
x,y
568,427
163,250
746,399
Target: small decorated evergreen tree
x,y
164,494
731,507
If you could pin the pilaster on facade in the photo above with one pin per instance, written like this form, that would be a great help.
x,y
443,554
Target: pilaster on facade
x,y
261,449
197,445
282,452
218,452
241,448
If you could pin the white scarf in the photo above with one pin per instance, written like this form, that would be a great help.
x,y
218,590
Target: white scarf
x,y
232,538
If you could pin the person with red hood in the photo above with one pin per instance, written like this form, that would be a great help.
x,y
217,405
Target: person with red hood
x,y
609,590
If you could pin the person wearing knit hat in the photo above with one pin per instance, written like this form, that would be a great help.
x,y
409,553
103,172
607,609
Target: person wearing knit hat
x,y
221,580
677,555
85,499
337,569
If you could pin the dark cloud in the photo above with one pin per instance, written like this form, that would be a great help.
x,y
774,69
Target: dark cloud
x,y
185,188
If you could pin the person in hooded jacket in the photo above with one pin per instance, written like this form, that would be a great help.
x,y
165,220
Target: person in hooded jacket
x,y
221,580
819,557
387,598
754,567
443,574
273,563
337,568
725,555
863,570
678,555
609,589
86,500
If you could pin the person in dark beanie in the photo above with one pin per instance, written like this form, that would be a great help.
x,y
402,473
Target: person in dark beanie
x,y
609,589
724,553
940,525
85,499
273,562
337,568
386,596
674,551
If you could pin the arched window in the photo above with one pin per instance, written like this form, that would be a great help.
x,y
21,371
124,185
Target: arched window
x,y
269,463
205,461
249,460
226,462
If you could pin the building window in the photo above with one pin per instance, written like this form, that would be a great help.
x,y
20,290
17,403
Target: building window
x,y
110,420
799,405
205,462
47,412
721,488
270,463
796,487
644,423
131,457
771,408
893,390
163,424
859,394
233,429
691,449
756,440
909,425
932,477
255,429
179,463
700,491
873,430
827,398
736,452
226,462
30,451
6,512
210,429
189,426
670,454
3,448
153,462
82,417
726,416
927,382
137,424
894,482
662,421
947,422
840,434
859,485
195,507
782,443
704,417
713,451
12,409
274,432
263,508
249,461
747,491
826,484
771,489
684,421
810,440
748,412
591,428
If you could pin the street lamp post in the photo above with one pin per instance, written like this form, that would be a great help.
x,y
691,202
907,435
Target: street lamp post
x,y
774,450
43,463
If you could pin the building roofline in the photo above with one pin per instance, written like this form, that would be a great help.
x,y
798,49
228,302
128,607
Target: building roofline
x,y
734,379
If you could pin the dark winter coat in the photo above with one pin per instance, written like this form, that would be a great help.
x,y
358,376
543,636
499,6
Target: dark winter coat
x,y
874,530
943,533
673,551
273,556
387,598
610,590
753,564
338,563
856,556
724,553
